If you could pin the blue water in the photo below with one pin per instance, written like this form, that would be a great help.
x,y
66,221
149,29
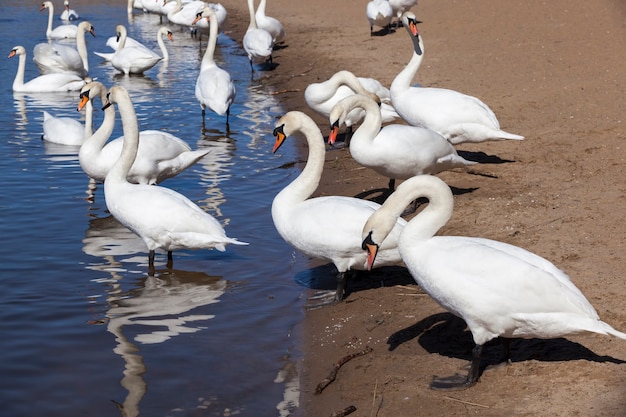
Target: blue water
x,y
84,328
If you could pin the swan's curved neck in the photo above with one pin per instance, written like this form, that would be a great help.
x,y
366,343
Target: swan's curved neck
x,y
18,82
252,17
365,134
93,144
81,46
122,40
161,44
88,120
261,9
307,182
50,17
207,59
120,169
404,78
433,217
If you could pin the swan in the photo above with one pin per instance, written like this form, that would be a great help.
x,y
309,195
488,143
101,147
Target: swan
x,y
500,290
401,6
137,60
60,32
323,96
68,14
457,116
202,25
51,58
184,14
395,151
163,218
269,24
324,227
113,42
379,13
161,155
257,43
67,131
214,87
48,83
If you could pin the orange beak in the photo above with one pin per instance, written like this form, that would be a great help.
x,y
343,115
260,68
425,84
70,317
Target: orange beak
x,y
372,250
280,137
334,130
84,98
12,53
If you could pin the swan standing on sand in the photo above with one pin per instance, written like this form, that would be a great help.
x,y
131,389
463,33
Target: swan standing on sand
x,y
160,155
257,43
51,58
323,96
269,24
68,14
395,151
184,14
163,218
214,87
500,290
324,227
48,83
60,32
379,13
136,60
401,6
457,116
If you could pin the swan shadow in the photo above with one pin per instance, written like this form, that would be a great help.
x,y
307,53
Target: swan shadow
x,y
384,31
379,195
483,158
324,278
447,335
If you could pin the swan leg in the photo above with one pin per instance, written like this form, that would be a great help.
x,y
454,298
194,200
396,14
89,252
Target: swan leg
x,y
151,258
460,382
170,259
342,280
392,184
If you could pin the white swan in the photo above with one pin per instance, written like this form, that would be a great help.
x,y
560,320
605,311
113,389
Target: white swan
x,y
202,25
401,6
60,32
214,87
136,60
379,13
163,218
48,83
323,96
500,290
68,14
113,42
269,24
184,14
324,227
395,151
67,131
457,116
161,155
51,58
257,43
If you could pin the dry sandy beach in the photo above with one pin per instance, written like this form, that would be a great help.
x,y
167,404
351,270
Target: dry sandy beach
x,y
552,71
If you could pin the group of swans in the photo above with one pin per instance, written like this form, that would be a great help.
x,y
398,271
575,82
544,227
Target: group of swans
x,y
163,218
258,43
324,227
500,290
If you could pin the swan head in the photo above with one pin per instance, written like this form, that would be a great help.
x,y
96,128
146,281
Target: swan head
x,y
340,111
410,22
87,27
17,50
83,98
376,229
45,5
279,134
205,12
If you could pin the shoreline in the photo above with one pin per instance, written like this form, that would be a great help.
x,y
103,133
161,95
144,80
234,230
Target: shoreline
x,y
552,72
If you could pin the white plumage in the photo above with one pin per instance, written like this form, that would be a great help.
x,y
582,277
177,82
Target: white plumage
x,y
269,23
379,13
257,43
137,60
48,83
60,32
51,58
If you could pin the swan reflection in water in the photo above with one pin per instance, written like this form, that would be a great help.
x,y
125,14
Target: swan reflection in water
x,y
156,309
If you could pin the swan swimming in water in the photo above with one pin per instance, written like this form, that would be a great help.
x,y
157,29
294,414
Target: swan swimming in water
x,y
457,116
324,227
137,60
60,32
68,14
163,218
55,57
48,83
500,290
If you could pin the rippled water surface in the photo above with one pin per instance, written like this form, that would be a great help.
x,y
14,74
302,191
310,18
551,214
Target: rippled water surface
x,y
85,328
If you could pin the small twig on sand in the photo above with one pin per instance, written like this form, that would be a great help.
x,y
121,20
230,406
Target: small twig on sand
x,y
342,413
482,174
466,402
333,374
294,90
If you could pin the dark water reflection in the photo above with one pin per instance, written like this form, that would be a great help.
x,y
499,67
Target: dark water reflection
x,y
86,328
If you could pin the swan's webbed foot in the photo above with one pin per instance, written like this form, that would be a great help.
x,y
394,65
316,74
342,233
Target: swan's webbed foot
x,y
460,382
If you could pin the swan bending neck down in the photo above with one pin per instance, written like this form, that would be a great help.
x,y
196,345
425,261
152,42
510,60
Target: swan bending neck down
x,y
163,218
161,155
500,290
395,151
324,227
457,116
